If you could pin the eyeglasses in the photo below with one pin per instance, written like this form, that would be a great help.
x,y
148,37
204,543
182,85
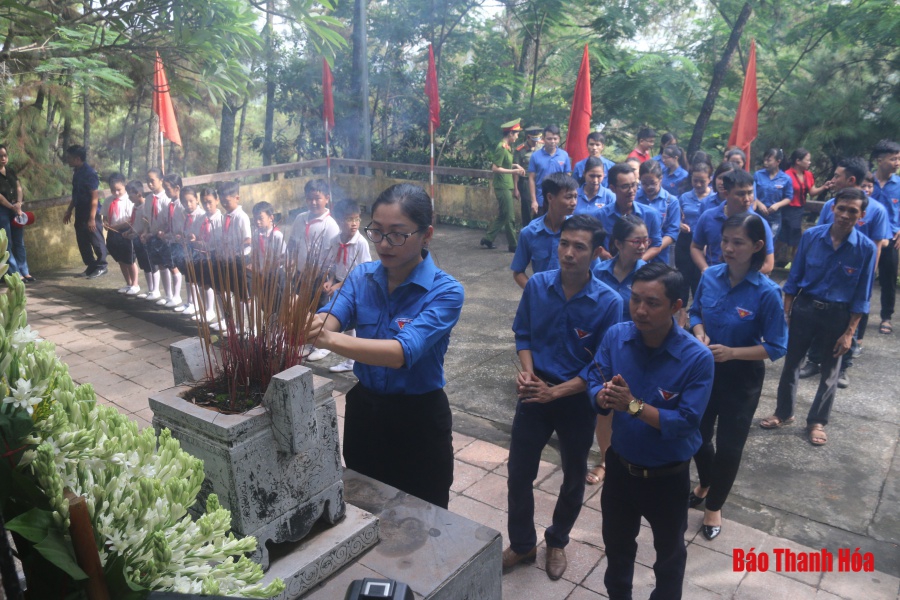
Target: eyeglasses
x,y
638,242
394,238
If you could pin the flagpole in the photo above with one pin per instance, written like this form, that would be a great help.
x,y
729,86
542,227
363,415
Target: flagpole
x,y
162,154
431,133
328,158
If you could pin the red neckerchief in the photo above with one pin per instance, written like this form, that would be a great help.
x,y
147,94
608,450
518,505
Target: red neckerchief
x,y
206,230
316,220
155,206
227,223
344,251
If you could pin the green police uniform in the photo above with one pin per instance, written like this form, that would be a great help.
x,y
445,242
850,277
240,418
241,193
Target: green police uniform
x,y
503,190
521,157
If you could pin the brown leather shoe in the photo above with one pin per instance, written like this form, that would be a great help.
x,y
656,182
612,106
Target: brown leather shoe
x,y
556,563
511,558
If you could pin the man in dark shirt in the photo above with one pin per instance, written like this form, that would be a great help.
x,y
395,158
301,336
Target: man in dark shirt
x,y
86,205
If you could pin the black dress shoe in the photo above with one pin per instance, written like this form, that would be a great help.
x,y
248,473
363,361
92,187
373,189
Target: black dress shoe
x,y
84,273
711,532
487,243
99,272
694,500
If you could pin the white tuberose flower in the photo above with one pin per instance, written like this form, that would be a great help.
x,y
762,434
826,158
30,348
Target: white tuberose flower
x,y
22,396
22,336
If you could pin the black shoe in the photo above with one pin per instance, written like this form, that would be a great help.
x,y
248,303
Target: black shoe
x,y
809,369
98,272
843,381
711,532
694,500
28,279
83,273
487,243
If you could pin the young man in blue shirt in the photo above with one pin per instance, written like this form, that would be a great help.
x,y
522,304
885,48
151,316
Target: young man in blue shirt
x,y
562,315
850,173
886,156
825,295
652,194
87,208
623,183
544,161
538,240
706,249
657,379
596,142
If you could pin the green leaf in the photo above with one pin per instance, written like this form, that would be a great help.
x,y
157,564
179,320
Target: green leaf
x,y
55,549
34,526
121,587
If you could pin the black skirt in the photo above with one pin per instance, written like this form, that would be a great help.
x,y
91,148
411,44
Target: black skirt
x,y
120,248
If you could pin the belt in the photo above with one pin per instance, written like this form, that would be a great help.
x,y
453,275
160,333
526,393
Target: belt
x,y
646,473
825,305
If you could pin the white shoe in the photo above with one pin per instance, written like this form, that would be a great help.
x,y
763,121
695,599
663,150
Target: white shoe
x,y
133,291
123,290
343,367
191,309
143,295
162,301
181,308
153,296
173,303
318,354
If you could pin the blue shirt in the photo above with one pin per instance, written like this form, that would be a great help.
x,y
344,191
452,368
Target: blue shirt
x,y
420,313
542,164
670,212
608,215
874,225
605,272
709,234
710,201
691,208
590,205
769,191
671,182
537,245
675,378
842,275
84,183
562,334
748,314
889,196
578,171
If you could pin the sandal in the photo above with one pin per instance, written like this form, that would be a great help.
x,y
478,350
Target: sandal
x,y
28,279
885,328
775,422
595,475
817,435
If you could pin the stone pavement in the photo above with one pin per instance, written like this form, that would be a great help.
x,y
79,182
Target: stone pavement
x,y
788,494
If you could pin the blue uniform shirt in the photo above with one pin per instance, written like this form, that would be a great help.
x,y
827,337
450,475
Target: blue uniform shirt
x,y
419,314
542,164
605,273
710,201
84,182
769,191
748,314
691,208
709,234
608,215
675,378
671,182
670,212
537,245
875,225
889,196
578,171
590,205
842,275
562,334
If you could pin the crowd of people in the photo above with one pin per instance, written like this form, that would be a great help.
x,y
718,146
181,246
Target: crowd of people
x,y
645,319
673,360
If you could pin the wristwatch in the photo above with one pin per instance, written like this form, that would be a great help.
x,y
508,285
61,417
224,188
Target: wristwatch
x,y
635,407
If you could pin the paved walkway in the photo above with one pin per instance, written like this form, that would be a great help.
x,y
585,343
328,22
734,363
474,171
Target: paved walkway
x,y
788,495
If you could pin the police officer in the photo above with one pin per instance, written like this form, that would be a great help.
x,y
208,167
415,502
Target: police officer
x,y
522,157
504,168
397,426
826,293
561,316
656,378
739,315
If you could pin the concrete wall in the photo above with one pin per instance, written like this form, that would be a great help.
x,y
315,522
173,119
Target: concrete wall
x,y
51,245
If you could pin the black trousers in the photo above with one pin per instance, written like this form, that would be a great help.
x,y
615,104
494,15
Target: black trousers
x,y
811,325
735,395
525,200
685,264
663,501
574,420
887,279
403,440
91,244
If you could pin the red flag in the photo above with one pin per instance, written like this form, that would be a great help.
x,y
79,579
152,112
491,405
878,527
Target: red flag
x,y
162,104
744,130
431,90
328,104
580,117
